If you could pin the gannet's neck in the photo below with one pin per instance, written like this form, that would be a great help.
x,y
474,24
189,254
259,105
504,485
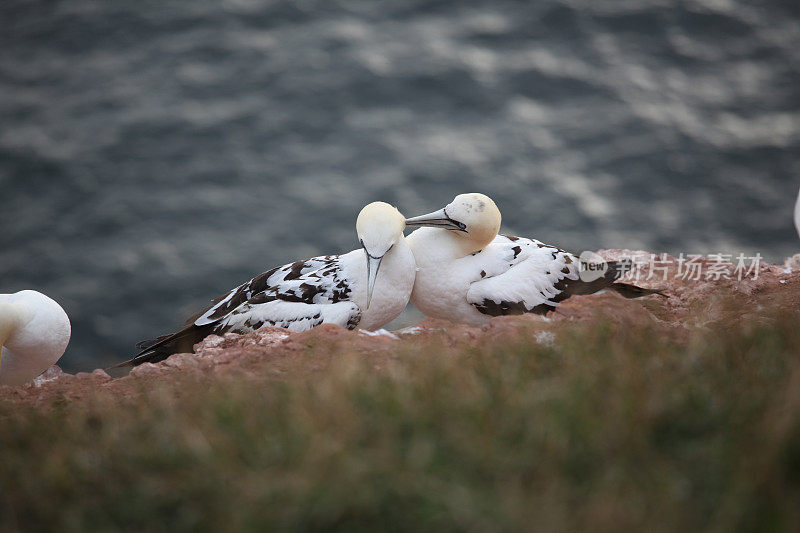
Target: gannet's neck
x,y
435,245
396,259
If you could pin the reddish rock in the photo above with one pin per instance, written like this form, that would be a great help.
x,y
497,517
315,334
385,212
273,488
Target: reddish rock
x,y
96,375
53,373
689,304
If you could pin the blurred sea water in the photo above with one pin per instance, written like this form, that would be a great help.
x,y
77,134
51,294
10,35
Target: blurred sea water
x,y
154,155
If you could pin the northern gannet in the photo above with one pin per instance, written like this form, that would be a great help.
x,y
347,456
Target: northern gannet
x,y
34,332
364,288
466,272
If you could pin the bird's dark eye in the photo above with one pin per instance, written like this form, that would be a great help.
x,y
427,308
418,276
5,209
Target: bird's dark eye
x,y
461,225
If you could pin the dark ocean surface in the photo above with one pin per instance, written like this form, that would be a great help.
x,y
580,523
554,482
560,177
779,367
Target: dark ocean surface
x,y
154,155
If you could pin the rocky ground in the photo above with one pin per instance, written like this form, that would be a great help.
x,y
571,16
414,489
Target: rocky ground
x,y
700,296
676,413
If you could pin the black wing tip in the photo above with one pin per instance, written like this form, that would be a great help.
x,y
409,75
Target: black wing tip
x,y
617,269
143,345
145,356
660,292
125,364
150,343
160,348
629,290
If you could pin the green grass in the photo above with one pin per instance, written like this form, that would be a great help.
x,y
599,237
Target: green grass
x,y
618,427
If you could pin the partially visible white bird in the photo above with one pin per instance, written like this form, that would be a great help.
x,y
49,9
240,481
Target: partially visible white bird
x,y
34,332
365,288
797,213
468,273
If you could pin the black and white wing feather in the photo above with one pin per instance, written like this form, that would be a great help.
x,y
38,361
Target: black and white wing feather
x,y
527,276
297,296
284,307
323,279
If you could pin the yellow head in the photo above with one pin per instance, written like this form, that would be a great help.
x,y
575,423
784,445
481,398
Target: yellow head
x,y
379,227
473,215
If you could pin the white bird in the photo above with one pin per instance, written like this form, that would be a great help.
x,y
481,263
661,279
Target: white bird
x,y
34,332
466,272
365,288
797,214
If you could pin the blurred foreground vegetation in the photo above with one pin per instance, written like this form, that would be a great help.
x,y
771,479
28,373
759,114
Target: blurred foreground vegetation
x,y
614,427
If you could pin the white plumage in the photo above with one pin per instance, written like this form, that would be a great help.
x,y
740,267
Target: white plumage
x,y
797,214
34,333
522,270
505,277
468,273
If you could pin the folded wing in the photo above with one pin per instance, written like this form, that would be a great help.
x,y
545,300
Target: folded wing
x,y
527,276
521,276
297,296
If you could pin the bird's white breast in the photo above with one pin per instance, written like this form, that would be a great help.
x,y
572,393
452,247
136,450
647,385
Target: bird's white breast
x,y
443,278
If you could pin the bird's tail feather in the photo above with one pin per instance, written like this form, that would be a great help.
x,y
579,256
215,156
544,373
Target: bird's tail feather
x,y
628,290
615,270
158,349
579,287
143,345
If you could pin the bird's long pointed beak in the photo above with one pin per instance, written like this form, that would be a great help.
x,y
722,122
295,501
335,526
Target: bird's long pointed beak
x,y
373,264
437,219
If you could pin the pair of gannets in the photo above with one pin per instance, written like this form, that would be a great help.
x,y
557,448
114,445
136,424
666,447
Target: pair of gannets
x,y
456,267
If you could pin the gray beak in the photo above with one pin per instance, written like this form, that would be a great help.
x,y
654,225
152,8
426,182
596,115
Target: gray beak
x,y
437,219
373,264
